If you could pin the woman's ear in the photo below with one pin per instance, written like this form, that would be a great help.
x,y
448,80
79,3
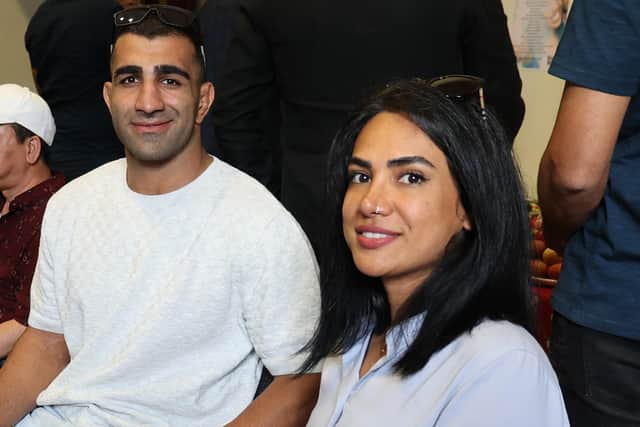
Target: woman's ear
x,y
464,218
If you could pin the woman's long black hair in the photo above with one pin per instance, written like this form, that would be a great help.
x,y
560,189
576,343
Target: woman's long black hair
x,y
484,272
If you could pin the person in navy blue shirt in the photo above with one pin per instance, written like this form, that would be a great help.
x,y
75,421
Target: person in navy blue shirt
x,y
590,199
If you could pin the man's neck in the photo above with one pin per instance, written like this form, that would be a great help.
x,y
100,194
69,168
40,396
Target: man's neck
x,y
36,175
153,179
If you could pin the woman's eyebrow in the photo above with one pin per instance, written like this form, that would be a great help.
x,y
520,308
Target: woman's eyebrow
x,y
360,162
400,161
403,161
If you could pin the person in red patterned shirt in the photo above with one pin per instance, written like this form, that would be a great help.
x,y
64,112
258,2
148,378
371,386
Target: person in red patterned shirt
x,y
26,184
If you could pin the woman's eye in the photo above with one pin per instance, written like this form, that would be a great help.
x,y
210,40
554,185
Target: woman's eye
x,y
358,178
411,178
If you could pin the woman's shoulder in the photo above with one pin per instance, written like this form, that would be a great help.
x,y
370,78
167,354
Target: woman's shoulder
x,y
498,362
506,333
493,339
496,345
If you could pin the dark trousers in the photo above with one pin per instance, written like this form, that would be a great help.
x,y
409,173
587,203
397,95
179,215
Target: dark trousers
x,y
599,374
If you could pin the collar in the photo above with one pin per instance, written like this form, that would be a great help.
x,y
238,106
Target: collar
x,y
36,194
400,337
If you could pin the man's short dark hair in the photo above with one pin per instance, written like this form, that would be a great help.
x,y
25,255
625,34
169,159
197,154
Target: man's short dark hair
x,y
22,134
152,27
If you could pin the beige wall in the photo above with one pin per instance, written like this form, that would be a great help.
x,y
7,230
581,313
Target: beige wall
x,y
541,92
14,17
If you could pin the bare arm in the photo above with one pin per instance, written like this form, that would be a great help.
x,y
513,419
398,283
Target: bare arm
x,y
37,358
288,401
575,165
10,331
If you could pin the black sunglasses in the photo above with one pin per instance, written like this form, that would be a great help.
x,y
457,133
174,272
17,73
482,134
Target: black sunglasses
x,y
458,87
168,15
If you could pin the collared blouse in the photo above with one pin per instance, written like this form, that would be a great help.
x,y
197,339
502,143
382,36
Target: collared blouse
x,y
496,375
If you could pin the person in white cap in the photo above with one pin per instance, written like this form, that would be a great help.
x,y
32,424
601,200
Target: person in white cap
x,y
26,184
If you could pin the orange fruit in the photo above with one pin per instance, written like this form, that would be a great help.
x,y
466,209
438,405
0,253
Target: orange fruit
x,y
538,268
554,270
550,257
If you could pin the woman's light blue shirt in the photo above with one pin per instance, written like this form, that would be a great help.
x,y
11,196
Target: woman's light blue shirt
x,y
497,375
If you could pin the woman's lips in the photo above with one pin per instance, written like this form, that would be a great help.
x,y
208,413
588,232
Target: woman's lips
x,y
374,237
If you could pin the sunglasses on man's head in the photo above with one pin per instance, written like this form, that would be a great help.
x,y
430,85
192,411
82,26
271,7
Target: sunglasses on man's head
x,y
458,87
168,15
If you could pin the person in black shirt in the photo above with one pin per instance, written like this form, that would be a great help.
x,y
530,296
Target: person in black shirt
x,y
68,44
321,56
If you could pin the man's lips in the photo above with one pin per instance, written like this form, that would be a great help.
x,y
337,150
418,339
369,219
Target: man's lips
x,y
151,127
371,237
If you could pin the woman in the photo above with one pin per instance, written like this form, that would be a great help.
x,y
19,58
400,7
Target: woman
x,y
425,301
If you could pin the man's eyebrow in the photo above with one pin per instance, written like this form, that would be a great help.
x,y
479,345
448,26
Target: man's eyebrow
x,y
128,69
171,69
403,161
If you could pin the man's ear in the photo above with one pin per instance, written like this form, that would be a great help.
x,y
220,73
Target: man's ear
x,y
207,93
106,94
33,147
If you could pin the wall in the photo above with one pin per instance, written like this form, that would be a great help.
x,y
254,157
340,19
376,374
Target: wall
x,y
14,17
541,92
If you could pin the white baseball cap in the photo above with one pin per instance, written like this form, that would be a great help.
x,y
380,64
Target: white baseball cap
x,y
19,105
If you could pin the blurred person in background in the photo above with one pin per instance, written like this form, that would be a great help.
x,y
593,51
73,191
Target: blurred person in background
x,y
68,44
320,56
27,130
588,184
219,16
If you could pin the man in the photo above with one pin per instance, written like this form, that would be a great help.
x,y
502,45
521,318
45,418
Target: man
x,y
321,56
26,184
166,278
590,199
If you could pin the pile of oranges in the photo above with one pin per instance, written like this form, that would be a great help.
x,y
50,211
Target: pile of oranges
x,y
545,262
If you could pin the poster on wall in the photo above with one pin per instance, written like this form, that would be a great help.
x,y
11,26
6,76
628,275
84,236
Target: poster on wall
x,y
536,29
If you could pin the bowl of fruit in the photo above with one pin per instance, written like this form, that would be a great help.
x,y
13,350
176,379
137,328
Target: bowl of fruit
x,y
545,262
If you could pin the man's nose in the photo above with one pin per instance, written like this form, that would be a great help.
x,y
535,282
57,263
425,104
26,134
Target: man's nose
x,y
149,98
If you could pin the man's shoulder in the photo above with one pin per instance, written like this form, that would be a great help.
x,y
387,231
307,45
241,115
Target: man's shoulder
x,y
246,204
86,186
597,49
243,191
